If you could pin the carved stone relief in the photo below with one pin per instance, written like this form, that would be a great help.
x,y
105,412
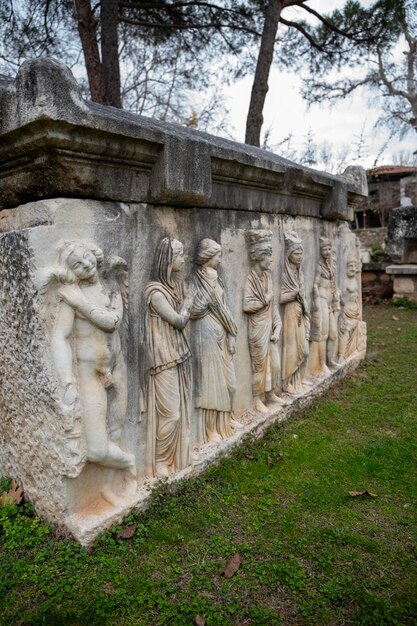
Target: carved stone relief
x,y
264,322
350,325
168,363
214,333
325,307
187,372
296,323
84,319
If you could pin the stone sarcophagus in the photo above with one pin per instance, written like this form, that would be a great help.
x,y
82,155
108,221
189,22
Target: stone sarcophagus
x,y
163,294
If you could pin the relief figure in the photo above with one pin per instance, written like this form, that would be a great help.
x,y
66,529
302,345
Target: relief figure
x,y
214,333
350,317
326,304
86,349
168,363
264,323
296,323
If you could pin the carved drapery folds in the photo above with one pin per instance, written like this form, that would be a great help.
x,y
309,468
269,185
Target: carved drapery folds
x,y
264,323
296,324
84,315
168,367
214,332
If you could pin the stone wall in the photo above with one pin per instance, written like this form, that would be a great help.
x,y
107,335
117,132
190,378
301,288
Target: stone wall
x,y
377,285
369,237
165,293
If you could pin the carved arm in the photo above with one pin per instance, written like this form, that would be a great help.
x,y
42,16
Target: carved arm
x,y
60,344
165,310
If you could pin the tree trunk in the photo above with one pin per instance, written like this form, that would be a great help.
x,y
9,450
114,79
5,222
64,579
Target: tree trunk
x,y
110,52
255,118
88,35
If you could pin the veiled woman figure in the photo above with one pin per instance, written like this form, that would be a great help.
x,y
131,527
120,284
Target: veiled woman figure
x,y
296,324
214,333
168,365
264,324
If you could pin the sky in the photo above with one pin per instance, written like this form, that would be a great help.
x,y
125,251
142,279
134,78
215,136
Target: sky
x,y
340,125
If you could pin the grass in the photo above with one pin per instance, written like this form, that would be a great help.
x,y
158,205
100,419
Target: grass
x,y
311,554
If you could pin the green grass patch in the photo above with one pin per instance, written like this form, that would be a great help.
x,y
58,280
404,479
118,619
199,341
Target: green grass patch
x,y
311,554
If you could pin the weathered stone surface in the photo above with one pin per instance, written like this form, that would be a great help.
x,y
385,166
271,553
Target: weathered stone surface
x,y
402,235
163,292
403,285
401,269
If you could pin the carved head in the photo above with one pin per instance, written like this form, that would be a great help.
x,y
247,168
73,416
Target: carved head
x,y
293,247
170,258
260,248
325,247
352,267
80,260
209,253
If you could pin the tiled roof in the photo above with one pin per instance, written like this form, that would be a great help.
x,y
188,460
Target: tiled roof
x,y
392,169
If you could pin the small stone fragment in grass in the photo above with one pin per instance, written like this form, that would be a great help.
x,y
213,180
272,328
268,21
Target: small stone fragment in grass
x,y
362,494
127,533
232,566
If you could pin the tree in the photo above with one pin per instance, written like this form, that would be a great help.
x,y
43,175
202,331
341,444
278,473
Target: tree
x,y
324,40
387,65
165,46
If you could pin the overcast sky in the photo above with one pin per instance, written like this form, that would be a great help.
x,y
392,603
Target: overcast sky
x,y
340,126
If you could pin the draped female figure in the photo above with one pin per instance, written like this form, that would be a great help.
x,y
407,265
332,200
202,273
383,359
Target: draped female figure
x,y
296,324
168,365
214,332
264,324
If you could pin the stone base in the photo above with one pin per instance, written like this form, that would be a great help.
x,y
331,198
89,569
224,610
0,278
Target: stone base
x,y
376,283
405,281
86,528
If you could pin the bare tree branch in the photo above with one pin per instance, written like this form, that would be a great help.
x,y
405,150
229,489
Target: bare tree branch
x,y
302,30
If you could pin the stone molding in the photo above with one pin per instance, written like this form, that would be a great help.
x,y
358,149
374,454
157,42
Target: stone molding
x,y
55,143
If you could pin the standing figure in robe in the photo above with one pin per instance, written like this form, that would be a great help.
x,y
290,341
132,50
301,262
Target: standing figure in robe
x,y
214,333
296,326
350,317
326,304
168,366
264,326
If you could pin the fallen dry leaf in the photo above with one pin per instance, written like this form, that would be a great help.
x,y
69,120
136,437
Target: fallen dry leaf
x,y
15,494
272,460
200,621
395,318
232,566
363,494
127,532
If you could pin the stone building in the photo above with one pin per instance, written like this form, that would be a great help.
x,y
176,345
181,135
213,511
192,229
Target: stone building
x,y
390,186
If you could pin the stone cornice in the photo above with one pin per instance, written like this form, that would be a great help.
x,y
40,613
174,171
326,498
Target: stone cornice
x,y
54,143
